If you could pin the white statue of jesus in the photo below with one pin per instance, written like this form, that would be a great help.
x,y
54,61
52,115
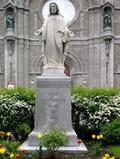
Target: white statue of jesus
x,y
54,35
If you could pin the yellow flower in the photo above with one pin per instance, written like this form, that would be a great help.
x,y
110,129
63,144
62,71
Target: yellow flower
x,y
104,157
112,157
98,137
12,155
101,136
2,150
40,136
93,136
107,155
8,134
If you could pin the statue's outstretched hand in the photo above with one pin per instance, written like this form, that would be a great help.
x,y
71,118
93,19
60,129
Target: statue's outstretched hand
x,y
71,33
38,32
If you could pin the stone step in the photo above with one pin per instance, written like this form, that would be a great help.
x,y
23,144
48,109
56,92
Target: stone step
x,y
81,148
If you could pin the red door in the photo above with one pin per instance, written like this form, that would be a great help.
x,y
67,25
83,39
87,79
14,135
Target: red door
x,y
67,70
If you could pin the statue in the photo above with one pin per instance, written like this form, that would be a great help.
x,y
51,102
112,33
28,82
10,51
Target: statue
x,y
54,36
107,19
10,20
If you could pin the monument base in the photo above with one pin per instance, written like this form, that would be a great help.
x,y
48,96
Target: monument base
x,y
34,141
53,106
81,148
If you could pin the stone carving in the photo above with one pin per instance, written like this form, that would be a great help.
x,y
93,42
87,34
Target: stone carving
x,y
107,43
54,36
118,68
107,17
10,20
10,47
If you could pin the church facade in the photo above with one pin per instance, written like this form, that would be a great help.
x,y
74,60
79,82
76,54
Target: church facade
x,y
93,55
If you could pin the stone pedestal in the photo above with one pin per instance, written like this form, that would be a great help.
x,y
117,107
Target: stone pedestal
x,y
10,32
53,106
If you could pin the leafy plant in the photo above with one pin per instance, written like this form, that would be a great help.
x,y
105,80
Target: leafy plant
x,y
97,148
54,139
115,151
22,130
111,132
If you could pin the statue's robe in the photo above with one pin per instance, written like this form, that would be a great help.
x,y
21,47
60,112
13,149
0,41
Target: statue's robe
x,y
54,39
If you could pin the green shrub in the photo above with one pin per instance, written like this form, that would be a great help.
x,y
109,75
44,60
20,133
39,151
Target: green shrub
x,y
17,110
93,92
24,94
22,130
111,132
90,113
14,112
114,150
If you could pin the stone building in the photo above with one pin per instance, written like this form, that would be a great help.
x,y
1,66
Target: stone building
x,y
93,55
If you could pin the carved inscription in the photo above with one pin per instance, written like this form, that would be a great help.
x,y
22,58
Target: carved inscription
x,y
52,108
52,104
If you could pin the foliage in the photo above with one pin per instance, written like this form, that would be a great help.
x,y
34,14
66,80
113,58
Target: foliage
x,y
24,94
97,148
9,147
111,131
54,139
22,130
90,113
14,112
114,150
93,92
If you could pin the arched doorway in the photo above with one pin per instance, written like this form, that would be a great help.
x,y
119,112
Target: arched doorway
x,y
67,70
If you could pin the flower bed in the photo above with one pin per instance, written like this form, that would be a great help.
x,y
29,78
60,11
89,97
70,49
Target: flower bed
x,y
9,147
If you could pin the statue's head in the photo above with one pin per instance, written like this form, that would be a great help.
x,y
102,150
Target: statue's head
x,y
53,8
9,12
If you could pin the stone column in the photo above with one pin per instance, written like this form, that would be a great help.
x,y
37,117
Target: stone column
x,y
103,65
91,48
107,59
20,46
111,67
26,49
94,47
6,64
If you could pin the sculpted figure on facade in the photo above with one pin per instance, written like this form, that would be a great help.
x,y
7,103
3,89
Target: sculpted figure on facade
x,y
107,18
54,36
10,20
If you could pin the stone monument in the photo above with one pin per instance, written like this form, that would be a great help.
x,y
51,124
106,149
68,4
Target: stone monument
x,y
53,99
